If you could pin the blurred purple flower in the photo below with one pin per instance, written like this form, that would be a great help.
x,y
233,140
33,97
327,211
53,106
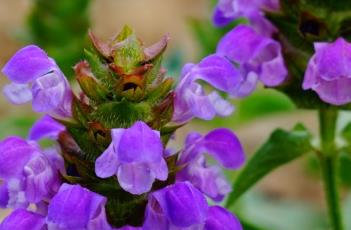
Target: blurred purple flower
x,y
191,99
257,57
36,77
28,175
222,145
220,218
135,156
329,72
46,127
74,207
177,206
228,10
21,219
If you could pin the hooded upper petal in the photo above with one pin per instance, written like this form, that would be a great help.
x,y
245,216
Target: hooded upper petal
x,y
328,72
190,98
180,205
220,218
27,64
21,219
74,207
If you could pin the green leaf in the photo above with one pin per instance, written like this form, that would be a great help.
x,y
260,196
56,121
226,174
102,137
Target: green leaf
x,y
281,148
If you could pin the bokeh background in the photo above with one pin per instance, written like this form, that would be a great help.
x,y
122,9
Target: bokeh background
x,y
289,198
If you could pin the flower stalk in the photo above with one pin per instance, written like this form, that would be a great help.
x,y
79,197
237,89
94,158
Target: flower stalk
x,y
329,166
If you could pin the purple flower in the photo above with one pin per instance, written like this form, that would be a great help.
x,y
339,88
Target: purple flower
x,y
135,156
220,218
190,98
21,219
74,207
223,146
36,77
28,173
178,206
228,10
329,72
46,127
258,58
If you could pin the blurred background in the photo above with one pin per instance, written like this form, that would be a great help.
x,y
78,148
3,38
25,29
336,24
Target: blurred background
x,y
289,198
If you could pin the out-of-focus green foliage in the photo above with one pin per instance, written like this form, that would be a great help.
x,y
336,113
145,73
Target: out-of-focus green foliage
x,y
281,148
17,126
255,209
60,27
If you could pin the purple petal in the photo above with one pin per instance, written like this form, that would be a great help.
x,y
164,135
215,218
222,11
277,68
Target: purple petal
x,y
4,195
106,164
328,72
256,55
41,179
218,72
220,19
55,159
21,219
48,92
27,64
147,145
160,170
46,127
334,60
182,204
220,218
208,179
17,93
336,92
135,178
247,86
74,207
225,147
261,24
222,107
14,154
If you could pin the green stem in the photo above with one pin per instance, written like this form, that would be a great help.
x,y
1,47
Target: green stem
x,y
329,165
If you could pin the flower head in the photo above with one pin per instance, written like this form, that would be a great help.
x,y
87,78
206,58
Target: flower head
x,y
135,156
176,206
74,207
329,72
28,173
191,99
258,58
36,77
221,144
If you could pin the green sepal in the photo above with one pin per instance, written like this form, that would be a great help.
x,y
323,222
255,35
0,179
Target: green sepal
x,y
121,114
154,72
92,88
281,148
80,111
99,69
160,91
